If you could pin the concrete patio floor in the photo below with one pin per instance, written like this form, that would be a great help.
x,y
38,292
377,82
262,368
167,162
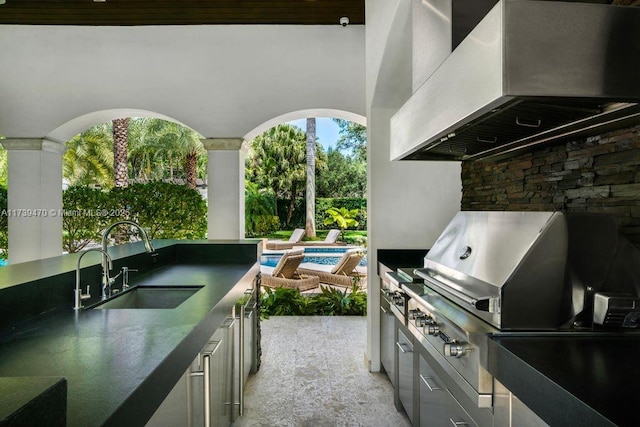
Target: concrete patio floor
x,y
313,374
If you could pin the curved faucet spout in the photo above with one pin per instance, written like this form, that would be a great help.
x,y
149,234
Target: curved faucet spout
x,y
143,234
106,285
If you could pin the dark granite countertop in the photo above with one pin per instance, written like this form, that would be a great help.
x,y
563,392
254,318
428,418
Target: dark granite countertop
x,y
399,258
120,363
571,380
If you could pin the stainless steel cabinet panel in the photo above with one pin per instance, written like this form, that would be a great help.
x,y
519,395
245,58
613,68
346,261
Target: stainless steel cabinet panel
x,y
387,342
438,407
405,372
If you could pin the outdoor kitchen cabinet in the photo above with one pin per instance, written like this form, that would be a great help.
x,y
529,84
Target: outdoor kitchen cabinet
x,y
245,359
405,369
438,407
211,391
202,396
387,338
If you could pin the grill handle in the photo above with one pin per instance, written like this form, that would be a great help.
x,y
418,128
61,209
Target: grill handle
x,y
487,304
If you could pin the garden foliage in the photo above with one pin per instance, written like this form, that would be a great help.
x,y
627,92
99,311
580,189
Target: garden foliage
x,y
164,210
330,302
322,205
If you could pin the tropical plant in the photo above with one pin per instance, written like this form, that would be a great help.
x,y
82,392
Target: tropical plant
x,y
334,302
330,302
258,203
182,145
156,149
342,217
120,147
283,302
310,223
89,157
277,161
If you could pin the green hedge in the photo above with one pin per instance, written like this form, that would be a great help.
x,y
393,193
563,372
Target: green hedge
x,y
4,224
298,218
164,210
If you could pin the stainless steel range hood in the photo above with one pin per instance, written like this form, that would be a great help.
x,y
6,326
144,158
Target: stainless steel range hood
x,y
530,72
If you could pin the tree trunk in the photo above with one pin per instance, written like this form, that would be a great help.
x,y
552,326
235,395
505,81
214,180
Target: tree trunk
x,y
191,169
120,146
310,225
292,201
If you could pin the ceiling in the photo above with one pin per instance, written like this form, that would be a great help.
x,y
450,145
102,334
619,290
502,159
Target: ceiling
x,y
180,12
192,12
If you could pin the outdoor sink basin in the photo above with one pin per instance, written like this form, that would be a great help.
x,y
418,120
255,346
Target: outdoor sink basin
x,y
149,297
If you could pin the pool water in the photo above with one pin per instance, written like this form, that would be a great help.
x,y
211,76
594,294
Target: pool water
x,y
322,257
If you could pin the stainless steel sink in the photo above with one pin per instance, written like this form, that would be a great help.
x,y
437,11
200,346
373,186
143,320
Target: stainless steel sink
x,y
150,297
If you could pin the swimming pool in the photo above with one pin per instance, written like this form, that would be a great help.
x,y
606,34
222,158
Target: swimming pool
x,y
326,256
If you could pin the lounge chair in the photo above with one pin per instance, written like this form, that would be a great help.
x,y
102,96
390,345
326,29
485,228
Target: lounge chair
x,y
330,240
296,236
284,273
343,274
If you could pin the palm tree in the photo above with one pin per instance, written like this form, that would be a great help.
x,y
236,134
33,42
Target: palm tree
x,y
89,157
120,146
181,145
310,225
276,161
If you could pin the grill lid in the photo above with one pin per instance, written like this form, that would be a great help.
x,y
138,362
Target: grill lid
x,y
527,270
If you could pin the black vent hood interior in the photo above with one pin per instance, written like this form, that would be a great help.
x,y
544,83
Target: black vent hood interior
x,y
531,72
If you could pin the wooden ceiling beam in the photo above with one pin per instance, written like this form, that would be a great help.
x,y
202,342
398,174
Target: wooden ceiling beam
x,y
183,12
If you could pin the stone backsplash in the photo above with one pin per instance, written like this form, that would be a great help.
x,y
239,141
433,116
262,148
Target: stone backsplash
x,y
599,174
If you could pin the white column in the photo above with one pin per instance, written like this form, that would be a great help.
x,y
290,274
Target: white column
x,y
34,198
225,187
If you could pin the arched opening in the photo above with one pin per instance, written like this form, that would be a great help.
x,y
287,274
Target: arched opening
x,y
149,170
277,159
277,189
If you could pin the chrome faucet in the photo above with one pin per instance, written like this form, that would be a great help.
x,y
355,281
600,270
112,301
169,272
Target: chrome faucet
x,y
106,285
106,266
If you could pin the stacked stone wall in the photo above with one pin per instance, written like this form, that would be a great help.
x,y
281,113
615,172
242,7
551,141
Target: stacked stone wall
x,y
598,174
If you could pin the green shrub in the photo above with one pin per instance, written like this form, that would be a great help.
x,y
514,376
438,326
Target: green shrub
x,y
322,205
266,224
164,210
4,224
330,302
85,216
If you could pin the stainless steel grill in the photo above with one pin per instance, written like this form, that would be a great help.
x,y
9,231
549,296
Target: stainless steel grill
x,y
493,272
530,270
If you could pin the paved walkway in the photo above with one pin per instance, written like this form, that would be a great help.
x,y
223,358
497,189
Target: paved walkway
x,y
313,374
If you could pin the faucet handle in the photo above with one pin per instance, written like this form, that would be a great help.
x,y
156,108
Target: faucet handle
x,y
85,296
125,276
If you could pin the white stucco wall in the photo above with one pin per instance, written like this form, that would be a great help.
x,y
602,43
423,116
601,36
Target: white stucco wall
x,y
409,203
222,81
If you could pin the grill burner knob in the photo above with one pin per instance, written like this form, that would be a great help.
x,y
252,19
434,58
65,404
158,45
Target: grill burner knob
x,y
415,313
454,349
422,320
432,329
398,300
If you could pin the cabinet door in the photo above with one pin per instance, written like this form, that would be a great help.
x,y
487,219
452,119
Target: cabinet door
x,y
405,372
438,407
387,321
